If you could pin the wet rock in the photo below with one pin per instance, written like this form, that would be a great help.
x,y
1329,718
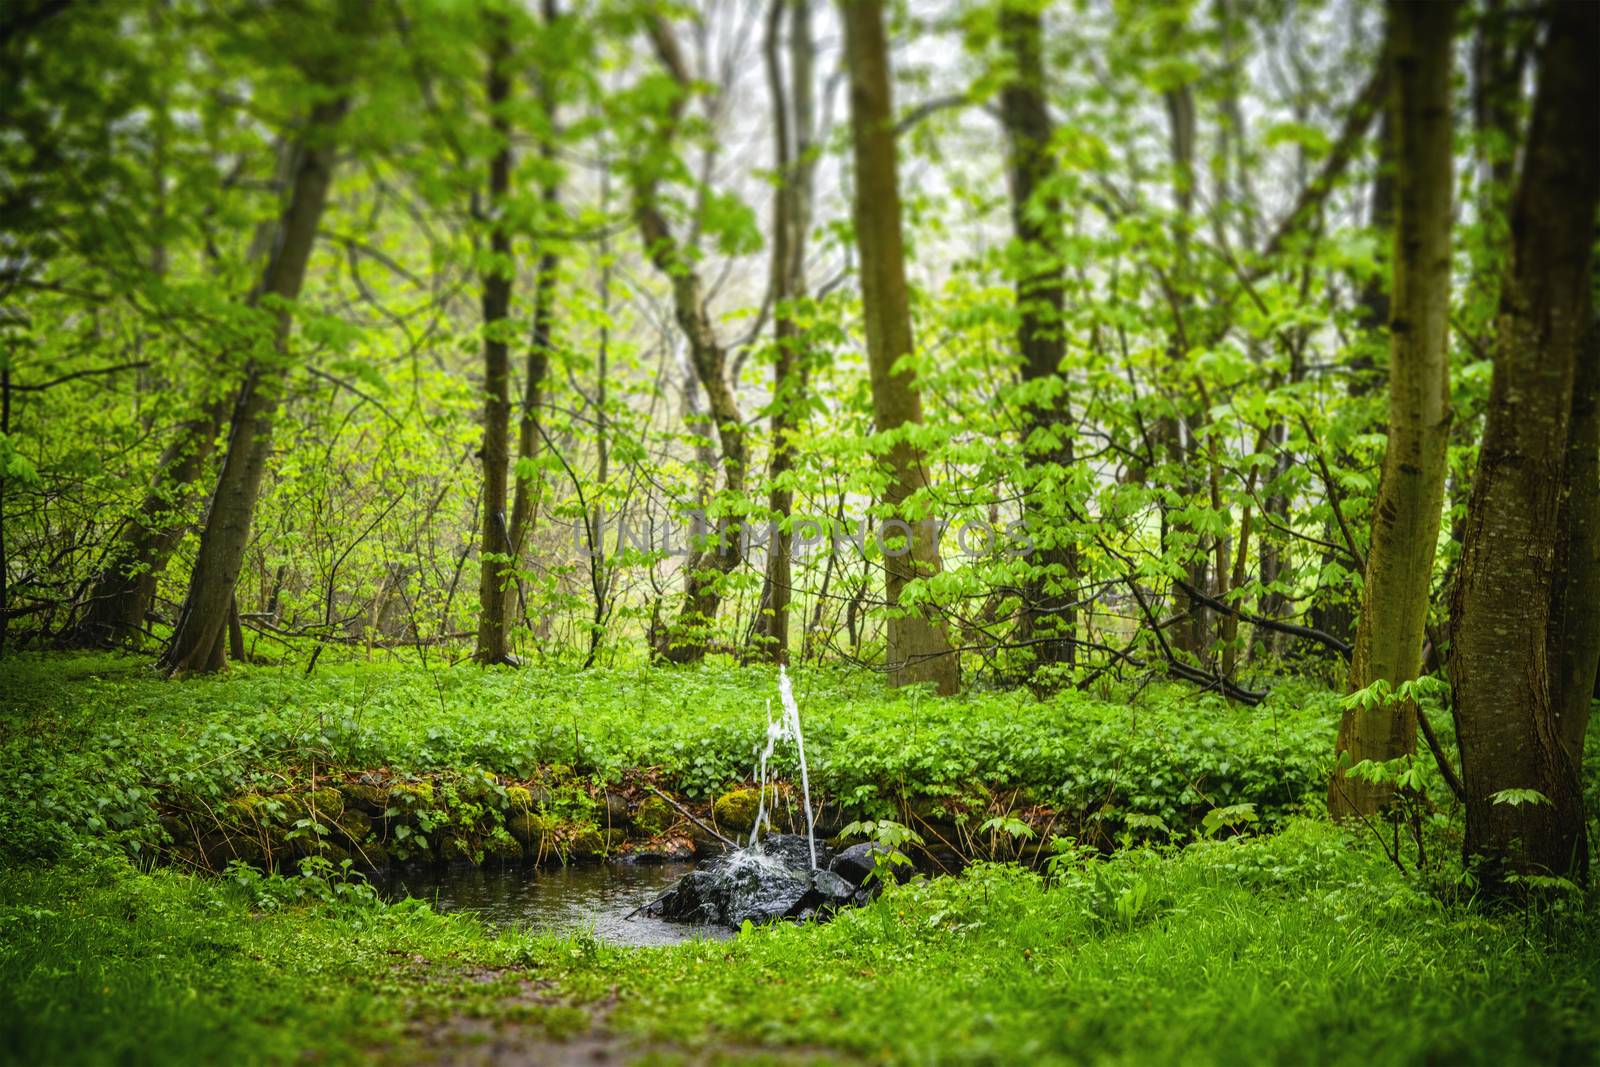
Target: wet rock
x,y
662,850
771,881
735,810
354,825
502,849
617,810
594,843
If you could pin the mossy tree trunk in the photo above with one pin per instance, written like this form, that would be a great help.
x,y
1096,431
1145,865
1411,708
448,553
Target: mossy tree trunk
x,y
496,559
1405,526
919,648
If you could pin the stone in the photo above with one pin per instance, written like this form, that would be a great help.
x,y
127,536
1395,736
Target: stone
x,y
365,796
529,828
734,812
654,816
617,810
858,861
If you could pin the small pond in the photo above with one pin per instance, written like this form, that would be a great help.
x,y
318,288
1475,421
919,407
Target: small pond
x,y
558,899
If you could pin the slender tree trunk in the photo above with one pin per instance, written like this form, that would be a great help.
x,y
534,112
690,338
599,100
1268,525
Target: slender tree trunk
x,y
919,647
198,640
1193,633
1049,617
1405,528
687,638
525,498
792,112
496,560
1518,701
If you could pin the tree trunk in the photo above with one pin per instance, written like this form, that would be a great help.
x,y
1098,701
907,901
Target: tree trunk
x,y
687,638
495,558
198,639
125,589
1405,527
1049,617
792,112
525,497
1517,702
919,647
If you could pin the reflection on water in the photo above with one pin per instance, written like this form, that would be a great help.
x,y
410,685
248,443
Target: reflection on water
x,y
597,896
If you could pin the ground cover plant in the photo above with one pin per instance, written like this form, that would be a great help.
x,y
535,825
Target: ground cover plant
x,y
1159,440
1234,938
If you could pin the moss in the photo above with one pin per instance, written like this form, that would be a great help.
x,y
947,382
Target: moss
x,y
594,843
373,799
519,797
412,795
736,809
355,825
371,854
654,817
530,829
500,847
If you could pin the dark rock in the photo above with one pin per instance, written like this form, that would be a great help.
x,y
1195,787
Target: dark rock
x,y
858,861
617,810
771,881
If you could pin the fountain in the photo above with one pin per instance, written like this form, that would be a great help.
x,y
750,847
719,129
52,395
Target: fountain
x,y
780,876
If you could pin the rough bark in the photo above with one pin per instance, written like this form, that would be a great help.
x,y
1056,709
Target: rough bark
x,y
198,639
1405,525
1049,618
1506,658
919,647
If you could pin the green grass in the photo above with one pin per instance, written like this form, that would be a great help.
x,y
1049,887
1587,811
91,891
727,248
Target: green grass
x,y
1300,945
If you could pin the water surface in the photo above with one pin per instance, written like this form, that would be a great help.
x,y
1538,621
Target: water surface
x,y
559,899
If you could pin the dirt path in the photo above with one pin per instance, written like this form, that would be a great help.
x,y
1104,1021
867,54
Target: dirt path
x,y
522,1023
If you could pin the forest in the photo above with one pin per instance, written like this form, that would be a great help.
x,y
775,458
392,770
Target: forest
x,y
799,531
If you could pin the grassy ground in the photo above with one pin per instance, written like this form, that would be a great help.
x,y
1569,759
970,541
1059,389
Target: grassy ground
x,y
1305,944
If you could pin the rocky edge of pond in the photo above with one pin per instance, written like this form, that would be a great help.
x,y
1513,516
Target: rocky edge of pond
x,y
377,820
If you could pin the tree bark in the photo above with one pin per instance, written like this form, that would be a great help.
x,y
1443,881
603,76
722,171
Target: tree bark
x,y
1517,701
919,647
1049,618
198,640
496,560
1405,527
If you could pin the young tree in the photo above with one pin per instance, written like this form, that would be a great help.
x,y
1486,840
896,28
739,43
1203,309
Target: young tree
x,y
1523,649
1048,613
497,560
793,111
919,648
685,640
1405,527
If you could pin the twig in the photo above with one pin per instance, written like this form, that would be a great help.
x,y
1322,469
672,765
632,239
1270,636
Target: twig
x,y
687,814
